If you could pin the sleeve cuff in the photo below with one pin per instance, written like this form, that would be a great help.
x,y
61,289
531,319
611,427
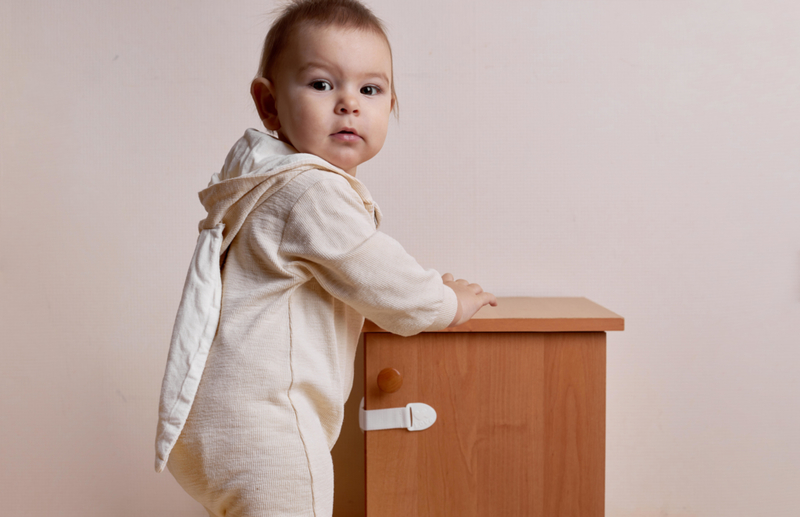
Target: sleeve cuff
x,y
448,310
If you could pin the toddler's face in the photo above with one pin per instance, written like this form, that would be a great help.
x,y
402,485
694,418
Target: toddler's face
x,y
332,95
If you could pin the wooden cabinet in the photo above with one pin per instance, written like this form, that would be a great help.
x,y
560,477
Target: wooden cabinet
x,y
519,393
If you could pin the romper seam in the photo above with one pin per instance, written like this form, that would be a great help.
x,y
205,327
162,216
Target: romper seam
x,y
296,416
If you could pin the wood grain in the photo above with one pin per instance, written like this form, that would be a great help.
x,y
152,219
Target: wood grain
x,y
520,428
524,314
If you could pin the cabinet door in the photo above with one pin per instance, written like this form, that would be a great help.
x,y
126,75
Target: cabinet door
x,y
520,428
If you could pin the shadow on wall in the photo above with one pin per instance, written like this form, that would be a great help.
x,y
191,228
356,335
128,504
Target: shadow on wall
x,y
348,453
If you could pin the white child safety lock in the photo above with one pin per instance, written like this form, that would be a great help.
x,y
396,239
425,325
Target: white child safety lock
x,y
416,416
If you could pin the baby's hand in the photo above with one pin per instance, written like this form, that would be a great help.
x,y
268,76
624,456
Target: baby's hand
x,y
470,298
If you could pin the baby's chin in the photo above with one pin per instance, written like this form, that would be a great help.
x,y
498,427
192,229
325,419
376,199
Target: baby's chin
x,y
347,165
348,162
349,169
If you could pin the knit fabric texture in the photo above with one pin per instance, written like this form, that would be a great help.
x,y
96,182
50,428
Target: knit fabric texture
x,y
250,412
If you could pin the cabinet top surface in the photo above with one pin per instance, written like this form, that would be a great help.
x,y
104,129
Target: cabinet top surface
x,y
523,314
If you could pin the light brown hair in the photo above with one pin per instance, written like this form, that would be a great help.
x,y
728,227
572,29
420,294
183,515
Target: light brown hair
x,y
349,14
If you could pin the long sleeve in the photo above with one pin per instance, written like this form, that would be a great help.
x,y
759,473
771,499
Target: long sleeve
x,y
331,235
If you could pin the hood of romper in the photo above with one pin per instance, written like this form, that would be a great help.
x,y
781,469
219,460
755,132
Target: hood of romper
x,y
257,166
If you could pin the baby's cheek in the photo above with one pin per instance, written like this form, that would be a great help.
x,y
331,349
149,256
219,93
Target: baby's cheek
x,y
381,131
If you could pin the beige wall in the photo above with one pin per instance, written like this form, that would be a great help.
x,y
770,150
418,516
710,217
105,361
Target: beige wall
x,y
642,154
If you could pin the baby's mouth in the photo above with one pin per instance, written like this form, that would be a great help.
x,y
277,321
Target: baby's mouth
x,y
347,134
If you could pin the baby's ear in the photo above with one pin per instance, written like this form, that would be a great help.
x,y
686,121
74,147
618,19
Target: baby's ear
x,y
263,92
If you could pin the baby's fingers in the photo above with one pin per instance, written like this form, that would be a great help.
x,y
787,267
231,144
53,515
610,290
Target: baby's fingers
x,y
477,289
447,277
488,298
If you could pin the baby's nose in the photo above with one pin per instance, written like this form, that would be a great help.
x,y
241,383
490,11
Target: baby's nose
x,y
348,105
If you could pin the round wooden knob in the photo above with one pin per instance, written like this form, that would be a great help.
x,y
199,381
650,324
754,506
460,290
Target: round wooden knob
x,y
390,380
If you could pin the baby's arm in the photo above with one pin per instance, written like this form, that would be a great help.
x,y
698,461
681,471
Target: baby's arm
x,y
470,298
331,236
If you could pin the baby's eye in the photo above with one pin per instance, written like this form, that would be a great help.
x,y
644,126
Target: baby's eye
x,y
370,90
322,86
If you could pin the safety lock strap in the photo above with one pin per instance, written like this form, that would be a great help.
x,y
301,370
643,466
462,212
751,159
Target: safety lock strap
x,y
416,416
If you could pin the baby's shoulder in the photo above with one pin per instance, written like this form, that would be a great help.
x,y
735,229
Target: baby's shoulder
x,y
308,183
325,184
321,179
330,198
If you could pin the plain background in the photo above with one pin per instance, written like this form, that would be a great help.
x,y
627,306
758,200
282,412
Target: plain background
x,y
643,154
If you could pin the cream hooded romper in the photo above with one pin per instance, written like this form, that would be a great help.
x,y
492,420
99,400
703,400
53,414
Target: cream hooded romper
x,y
261,359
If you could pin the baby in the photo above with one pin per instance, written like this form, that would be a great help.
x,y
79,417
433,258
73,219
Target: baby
x,y
288,263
